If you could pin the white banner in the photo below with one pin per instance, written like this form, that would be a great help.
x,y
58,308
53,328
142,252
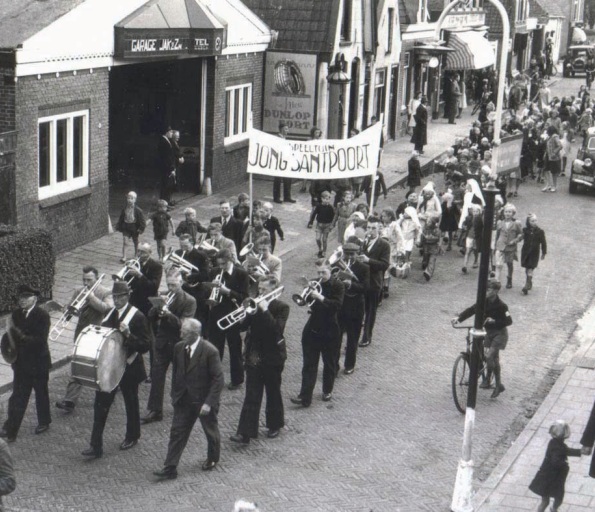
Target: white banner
x,y
315,159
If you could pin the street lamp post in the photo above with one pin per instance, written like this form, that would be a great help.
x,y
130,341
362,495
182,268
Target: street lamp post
x,y
463,491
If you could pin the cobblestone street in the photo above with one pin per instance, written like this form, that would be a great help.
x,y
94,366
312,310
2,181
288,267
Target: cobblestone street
x,y
389,441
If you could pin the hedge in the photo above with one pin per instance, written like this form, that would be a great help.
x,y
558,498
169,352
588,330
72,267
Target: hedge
x,y
26,257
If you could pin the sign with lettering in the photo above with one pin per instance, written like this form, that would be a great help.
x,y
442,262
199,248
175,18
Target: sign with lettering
x,y
464,19
321,159
140,44
508,155
290,92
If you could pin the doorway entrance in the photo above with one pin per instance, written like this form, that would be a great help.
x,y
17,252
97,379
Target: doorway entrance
x,y
144,100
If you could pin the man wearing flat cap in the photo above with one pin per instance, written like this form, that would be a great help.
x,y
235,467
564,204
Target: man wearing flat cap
x,y
137,338
28,327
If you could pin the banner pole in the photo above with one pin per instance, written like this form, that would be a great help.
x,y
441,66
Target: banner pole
x,y
251,204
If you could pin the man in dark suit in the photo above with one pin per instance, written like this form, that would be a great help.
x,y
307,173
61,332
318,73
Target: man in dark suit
x,y
146,281
166,322
321,336
233,290
377,256
231,227
420,131
28,327
98,303
137,338
166,165
265,357
352,312
196,388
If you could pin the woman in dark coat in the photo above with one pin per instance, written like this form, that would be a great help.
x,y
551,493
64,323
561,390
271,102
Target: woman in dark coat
x,y
588,440
534,243
413,172
420,132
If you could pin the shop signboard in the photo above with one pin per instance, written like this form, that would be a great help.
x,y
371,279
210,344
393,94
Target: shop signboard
x,y
509,154
151,43
463,20
290,92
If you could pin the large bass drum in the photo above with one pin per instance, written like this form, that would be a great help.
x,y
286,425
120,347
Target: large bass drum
x,y
99,358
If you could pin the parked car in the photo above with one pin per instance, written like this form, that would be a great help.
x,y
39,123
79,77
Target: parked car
x,y
582,172
576,58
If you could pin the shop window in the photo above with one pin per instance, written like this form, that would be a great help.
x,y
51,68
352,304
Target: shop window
x,y
63,142
379,92
238,110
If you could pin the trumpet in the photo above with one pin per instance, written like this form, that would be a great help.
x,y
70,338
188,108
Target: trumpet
x,y
179,262
123,274
260,268
342,270
304,298
73,309
249,307
216,297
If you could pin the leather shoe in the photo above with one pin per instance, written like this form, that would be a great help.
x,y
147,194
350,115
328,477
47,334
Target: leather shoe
x,y
151,417
92,453
348,371
127,444
327,397
5,435
239,438
364,343
299,401
497,391
289,200
208,465
278,201
40,429
271,434
233,387
166,473
65,405
485,384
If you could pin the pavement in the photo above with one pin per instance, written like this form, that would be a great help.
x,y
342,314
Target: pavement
x,y
390,439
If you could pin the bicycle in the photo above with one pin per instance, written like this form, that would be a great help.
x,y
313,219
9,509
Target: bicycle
x,y
461,371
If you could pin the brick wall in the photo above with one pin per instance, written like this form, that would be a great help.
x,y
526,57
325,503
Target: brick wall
x,y
7,98
228,165
73,218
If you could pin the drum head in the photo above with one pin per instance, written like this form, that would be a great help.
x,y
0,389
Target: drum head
x,y
111,361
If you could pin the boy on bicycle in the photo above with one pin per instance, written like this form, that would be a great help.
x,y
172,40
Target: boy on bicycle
x,y
497,319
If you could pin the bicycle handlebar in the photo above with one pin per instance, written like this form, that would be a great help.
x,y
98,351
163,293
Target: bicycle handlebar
x,y
462,326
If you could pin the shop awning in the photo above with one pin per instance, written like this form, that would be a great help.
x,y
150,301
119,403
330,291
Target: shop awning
x,y
472,51
170,27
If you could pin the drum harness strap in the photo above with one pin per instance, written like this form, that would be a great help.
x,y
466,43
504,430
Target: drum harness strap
x,y
131,312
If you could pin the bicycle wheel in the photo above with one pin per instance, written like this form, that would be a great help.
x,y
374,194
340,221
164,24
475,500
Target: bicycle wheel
x,y
460,382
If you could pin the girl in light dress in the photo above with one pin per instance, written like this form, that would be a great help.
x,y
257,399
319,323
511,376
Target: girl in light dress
x,y
410,231
345,209
391,233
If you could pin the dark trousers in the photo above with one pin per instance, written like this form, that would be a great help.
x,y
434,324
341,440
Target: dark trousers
x,y
315,345
428,262
162,357
103,403
186,413
234,341
166,189
258,380
372,298
277,188
350,323
22,385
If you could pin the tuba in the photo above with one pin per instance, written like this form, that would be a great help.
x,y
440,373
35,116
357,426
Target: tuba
x,y
249,307
304,298
73,309
179,262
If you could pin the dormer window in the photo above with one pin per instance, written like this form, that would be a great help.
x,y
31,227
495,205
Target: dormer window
x,y
346,20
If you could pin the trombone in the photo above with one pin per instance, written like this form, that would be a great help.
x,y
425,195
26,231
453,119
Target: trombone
x,y
304,298
179,262
123,274
249,307
216,297
73,309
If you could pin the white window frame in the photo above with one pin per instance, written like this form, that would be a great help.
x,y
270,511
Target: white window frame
x,y
245,113
71,183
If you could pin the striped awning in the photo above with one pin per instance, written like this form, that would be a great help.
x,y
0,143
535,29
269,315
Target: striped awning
x,y
472,51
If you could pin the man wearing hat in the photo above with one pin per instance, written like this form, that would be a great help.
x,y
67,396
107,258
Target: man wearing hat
x,y
137,338
497,319
29,326
283,131
351,315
